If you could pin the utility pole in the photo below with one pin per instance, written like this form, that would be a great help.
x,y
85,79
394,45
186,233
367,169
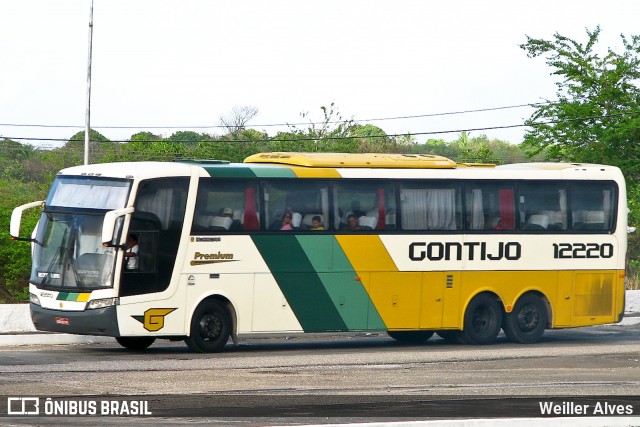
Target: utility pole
x,y
87,127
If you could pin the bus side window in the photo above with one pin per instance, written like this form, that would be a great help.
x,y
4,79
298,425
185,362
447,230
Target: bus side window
x,y
490,207
295,200
223,206
543,206
431,206
592,206
372,204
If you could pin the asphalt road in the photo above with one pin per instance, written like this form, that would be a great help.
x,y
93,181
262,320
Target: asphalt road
x,y
345,375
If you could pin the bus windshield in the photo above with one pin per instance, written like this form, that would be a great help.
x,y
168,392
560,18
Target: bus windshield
x,y
68,253
88,193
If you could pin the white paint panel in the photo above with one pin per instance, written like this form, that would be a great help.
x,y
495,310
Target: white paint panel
x,y
223,254
503,252
237,288
271,311
173,323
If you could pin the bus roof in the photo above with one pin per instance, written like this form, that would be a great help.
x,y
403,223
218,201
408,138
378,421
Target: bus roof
x,y
355,160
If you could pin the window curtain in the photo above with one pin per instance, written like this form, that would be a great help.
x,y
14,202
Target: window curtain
x,y
507,212
428,209
159,203
477,210
251,221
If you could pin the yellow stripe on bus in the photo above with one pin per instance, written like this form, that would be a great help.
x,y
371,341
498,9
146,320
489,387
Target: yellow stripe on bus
x,y
392,292
315,173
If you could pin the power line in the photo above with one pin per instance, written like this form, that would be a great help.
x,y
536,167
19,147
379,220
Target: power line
x,y
450,113
328,138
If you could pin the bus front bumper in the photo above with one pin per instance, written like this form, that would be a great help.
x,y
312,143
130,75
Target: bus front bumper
x,y
102,321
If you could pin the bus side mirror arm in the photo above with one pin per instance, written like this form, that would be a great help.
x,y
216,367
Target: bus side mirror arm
x,y
16,220
109,227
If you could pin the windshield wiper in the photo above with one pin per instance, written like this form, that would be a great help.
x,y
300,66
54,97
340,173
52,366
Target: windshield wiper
x,y
70,258
56,256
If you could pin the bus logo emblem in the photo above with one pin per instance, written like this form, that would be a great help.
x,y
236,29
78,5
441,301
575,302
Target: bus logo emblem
x,y
153,319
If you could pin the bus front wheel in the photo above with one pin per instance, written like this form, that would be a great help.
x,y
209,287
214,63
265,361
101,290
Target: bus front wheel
x,y
210,328
135,343
482,320
413,337
528,320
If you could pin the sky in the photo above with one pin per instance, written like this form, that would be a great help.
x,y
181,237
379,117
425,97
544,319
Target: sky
x,y
168,65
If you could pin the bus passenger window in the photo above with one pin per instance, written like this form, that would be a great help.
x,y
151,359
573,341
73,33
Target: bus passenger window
x,y
431,206
592,206
490,207
223,206
543,206
296,202
371,204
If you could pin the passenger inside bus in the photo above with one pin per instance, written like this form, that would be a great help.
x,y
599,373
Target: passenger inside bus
x,y
352,223
131,255
316,223
286,221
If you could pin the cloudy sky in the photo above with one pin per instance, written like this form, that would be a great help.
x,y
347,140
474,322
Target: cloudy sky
x,y
184,63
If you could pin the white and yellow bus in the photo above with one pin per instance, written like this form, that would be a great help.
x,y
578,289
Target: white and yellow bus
x,y
311,242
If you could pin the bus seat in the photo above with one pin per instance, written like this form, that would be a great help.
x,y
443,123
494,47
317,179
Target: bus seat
x,y
296,219
142,220
221,223
556,220
537,222
390,220
367,222
593,220
374,213
578,217
594,217
238,215
202,222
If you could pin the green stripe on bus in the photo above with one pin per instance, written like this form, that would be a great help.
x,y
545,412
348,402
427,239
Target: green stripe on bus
x,y
300,283
340,281
67,296
230,172
264,172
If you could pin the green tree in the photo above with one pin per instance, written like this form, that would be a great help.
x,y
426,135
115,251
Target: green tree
x,y
597,109
15,256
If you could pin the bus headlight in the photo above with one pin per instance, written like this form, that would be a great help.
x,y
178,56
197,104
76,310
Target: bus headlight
x,y
33,298
102,303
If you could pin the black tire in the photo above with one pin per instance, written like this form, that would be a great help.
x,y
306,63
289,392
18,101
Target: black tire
x,y
482,320
528,320
451,336
210,328
135,343
414,337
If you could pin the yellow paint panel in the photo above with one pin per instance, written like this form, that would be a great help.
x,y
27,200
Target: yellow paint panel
x,y
84,297
397,297
315,173
366,253
355,160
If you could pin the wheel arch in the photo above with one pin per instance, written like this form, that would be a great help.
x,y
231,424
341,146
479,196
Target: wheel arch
x,y
490,292
227,304
547,303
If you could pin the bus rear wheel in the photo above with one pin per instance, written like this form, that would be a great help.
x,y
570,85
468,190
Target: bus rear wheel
x,y
210,328
135,343
482,320
414,337
528,320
